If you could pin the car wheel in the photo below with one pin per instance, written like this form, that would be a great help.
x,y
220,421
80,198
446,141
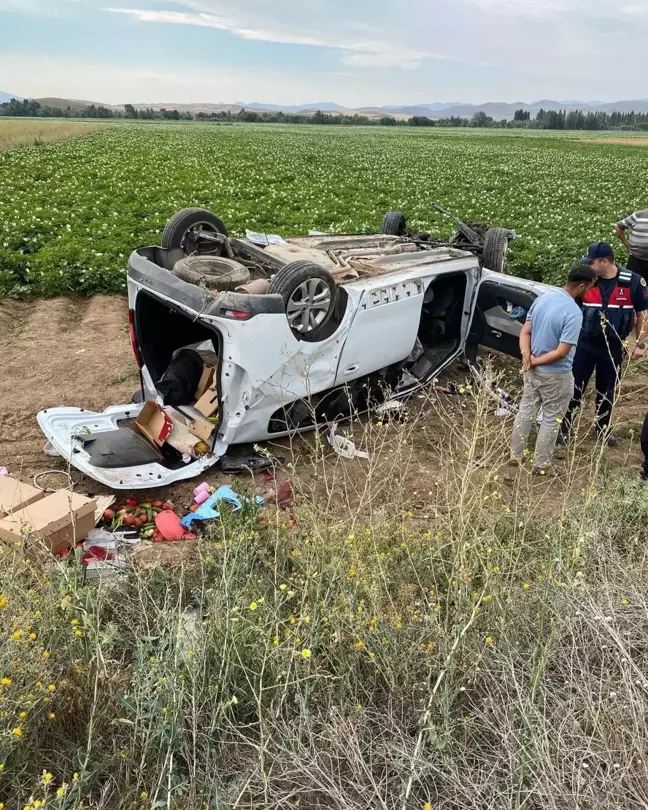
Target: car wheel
x,y
183,229
394,224
212,272
309,292
495,253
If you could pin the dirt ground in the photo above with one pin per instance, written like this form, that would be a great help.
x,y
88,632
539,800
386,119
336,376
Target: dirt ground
x,y
76,351
619,141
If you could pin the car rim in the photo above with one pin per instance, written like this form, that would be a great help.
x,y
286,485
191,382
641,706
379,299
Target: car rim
x,y
191,236
308,305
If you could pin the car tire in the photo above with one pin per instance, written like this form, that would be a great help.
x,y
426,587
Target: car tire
x,y
394,224
495,252
187,220
212,272
309,293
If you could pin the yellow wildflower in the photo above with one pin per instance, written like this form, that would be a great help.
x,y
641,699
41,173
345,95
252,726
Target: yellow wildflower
x,y
489,639
17,732
52,716
253,606
306,653
32,636
22,715
17,635
45,654
3,600
47,777
6,681
51,687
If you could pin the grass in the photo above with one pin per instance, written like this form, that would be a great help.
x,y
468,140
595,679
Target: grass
x,y
72,212
456,644
30,131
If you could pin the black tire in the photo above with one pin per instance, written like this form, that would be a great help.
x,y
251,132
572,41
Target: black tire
x,y
187,220
495,252
394,224
291,283
212,272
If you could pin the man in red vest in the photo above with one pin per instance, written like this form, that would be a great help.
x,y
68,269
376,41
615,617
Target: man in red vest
x,y
619,300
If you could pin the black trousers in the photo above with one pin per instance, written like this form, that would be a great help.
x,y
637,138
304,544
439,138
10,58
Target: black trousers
x,y
639,266
644,446
604,361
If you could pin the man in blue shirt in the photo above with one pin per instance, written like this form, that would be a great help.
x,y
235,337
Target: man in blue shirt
x,y
548,344
619,300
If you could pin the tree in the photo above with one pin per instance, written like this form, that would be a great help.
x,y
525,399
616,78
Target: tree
x,y
522,115
130,111
421,121
480,119
387,121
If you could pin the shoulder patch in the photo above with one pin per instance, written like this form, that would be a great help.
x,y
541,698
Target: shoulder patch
x,y
642,281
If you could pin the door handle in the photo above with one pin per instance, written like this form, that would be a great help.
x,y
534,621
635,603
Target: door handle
x,y
352,368
496,334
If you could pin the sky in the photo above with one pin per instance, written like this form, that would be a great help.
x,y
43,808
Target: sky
x,y
352,52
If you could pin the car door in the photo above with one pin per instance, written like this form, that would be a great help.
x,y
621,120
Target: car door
x,y
501,307
384,329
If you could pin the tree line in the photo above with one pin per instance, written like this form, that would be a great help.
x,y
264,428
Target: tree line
x,y
545,119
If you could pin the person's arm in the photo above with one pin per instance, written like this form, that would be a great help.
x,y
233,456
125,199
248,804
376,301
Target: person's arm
x,y
620,232
525,346
621,227
641,330
639,293
569,335
552,357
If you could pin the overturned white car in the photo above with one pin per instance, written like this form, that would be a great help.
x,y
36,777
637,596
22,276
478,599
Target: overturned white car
x,y
299,332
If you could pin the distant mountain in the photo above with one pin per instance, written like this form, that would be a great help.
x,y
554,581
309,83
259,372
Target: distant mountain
x,y
64,103
8,96
323,106
436,110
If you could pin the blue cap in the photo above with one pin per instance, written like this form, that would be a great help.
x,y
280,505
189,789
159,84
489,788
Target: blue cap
x,y
597,250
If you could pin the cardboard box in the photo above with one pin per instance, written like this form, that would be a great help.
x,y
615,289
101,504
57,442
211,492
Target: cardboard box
x,y
206,381
203,429
207,405
14,495
154,424
59,520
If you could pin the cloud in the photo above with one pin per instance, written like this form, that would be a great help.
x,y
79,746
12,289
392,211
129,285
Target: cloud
x,y
542,37
251,20
427,50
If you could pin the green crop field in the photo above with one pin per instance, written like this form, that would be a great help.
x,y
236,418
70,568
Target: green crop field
x,y
70,212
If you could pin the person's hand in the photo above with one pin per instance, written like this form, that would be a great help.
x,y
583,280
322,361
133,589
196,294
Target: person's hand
x,y
526,361
637,354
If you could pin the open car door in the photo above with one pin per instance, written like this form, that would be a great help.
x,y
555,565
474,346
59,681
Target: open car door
x,y
500,312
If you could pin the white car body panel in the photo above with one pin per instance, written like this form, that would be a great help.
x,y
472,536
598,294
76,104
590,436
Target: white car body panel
x,y
63,426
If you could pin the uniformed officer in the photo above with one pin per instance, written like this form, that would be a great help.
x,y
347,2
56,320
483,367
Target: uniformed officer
x,y
617,301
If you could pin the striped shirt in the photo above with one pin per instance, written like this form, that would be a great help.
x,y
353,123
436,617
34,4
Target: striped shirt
x,y
637,224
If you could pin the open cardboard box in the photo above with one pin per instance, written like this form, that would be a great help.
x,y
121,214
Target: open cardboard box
x,y
59,521
207,405
206,381
154,424
15,495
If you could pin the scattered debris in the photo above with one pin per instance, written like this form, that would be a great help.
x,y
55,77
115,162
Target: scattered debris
x,y
103,502
169,528
285,494
345,448
15,495
59,520
202,493
392,410
207,510
69,483
250,462
263,239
